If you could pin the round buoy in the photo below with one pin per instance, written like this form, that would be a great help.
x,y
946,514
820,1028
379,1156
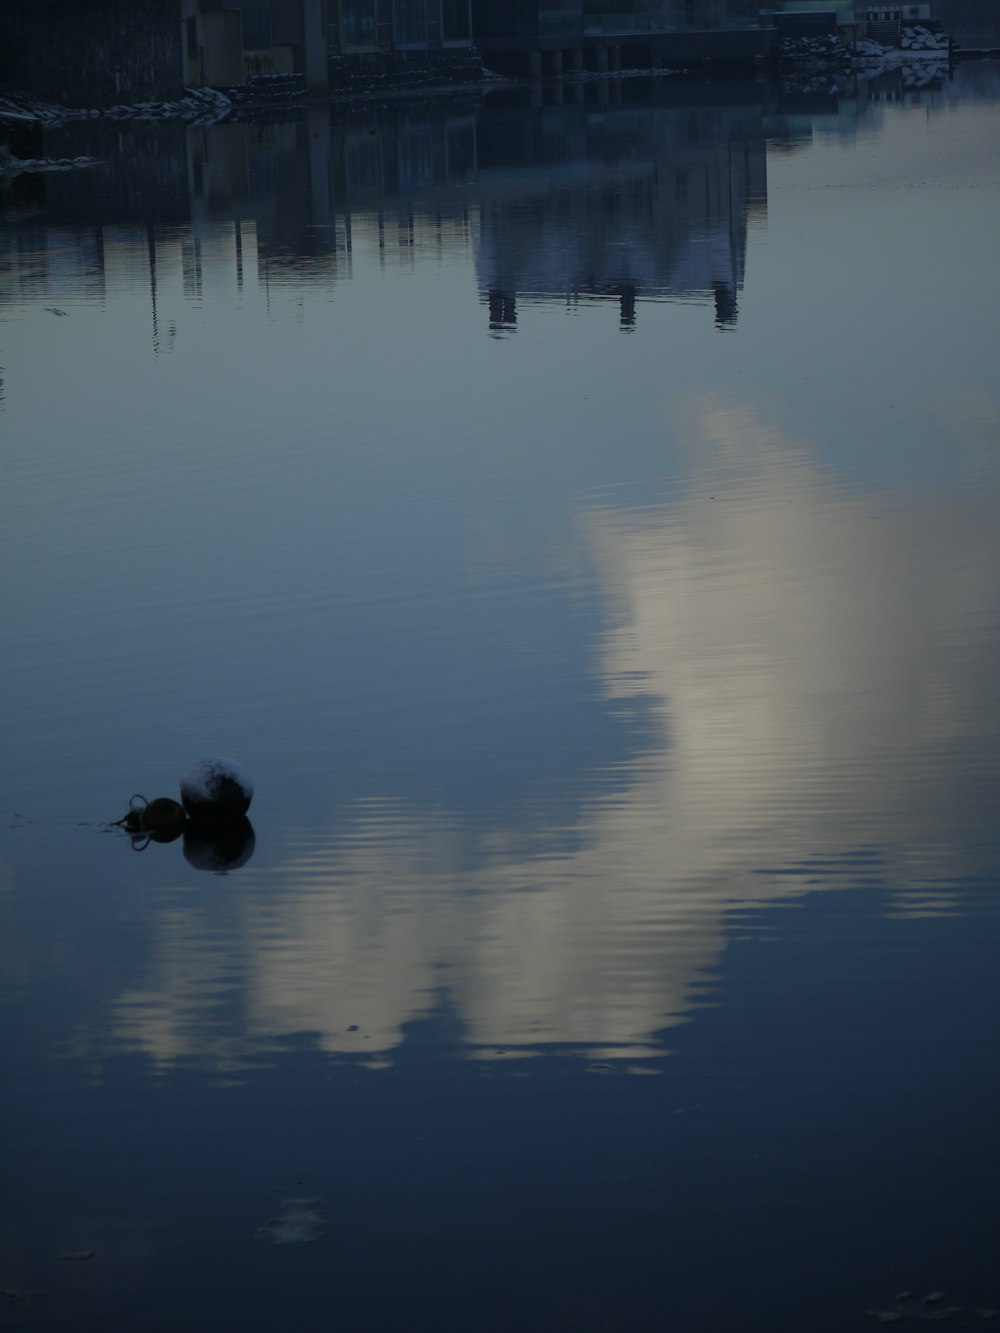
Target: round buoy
x,y
216,789
164,819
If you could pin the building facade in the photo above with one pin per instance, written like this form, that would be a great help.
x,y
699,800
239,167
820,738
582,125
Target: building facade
x,y
602,33
230,42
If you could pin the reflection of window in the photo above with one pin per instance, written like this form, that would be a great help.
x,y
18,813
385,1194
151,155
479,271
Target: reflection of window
x,y
411,24
358,22
460,145
416,159
262,173
364,162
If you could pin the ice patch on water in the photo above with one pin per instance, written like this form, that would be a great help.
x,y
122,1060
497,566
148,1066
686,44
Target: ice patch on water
x,y
299,1222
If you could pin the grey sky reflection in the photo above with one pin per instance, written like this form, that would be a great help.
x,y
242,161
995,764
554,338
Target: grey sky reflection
x,y
823,663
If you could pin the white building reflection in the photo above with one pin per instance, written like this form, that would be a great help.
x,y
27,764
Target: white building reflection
x,y
619,202
821,664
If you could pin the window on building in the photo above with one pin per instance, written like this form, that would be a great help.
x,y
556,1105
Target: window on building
x,y
411,21
256,28
358,23
455,19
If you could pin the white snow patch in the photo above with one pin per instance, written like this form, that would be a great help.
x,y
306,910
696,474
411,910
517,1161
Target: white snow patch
x,y
201,783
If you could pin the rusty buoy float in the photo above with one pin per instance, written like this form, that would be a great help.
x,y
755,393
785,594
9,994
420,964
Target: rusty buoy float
x,y
162,819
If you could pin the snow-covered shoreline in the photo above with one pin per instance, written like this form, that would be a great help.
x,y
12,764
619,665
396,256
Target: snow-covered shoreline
x,y
199,106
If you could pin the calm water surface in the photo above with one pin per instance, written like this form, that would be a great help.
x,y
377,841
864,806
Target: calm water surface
x,y
580,513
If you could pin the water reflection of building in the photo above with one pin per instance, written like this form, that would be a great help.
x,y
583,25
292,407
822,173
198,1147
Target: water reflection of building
x,y
308,187
595,198
619,202
573,201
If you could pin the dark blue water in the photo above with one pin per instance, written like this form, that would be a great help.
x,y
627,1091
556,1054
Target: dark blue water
x,y
579,513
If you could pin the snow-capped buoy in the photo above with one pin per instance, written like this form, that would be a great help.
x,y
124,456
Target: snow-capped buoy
x,y
216,789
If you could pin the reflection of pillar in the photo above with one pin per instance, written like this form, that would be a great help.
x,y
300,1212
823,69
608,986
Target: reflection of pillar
x,y
534,64
626,296
576,59
151,249
556,62
238,238
503,309
601,59
725,305
320,165
615,57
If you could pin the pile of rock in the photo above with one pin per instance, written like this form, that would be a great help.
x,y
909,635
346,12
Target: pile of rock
x,y
827,50
871,50
922,39
923,74
268,96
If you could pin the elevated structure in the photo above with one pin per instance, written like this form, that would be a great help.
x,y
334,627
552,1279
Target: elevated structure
x,y
547,36
330,45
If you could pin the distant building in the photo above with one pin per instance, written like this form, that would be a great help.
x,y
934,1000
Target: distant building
x,y
226,44
234,41
551,35
883,19
372,25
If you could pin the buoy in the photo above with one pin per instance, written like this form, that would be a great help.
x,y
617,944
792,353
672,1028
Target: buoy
x,y
216,789
164,815
162,820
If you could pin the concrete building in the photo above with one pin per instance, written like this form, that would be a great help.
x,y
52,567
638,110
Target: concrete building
x,y
880,19
328,44
548,36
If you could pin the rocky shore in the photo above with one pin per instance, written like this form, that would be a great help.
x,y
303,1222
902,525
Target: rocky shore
x,y
812,63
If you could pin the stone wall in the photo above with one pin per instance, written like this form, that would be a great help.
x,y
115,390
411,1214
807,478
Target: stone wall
x,y
397,71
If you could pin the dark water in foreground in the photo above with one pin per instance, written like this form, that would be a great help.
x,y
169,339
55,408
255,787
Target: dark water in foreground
x,y
582,520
